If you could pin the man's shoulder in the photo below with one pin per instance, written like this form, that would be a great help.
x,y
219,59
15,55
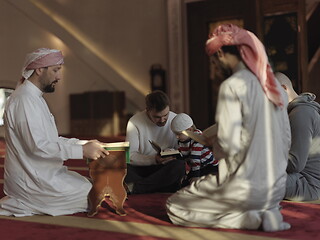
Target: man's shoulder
x,y
241,80
243,75
304,110
304,116
23,96
138,117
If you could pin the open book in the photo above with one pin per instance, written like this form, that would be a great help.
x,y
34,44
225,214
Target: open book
x,y
206,137
165,153
114,147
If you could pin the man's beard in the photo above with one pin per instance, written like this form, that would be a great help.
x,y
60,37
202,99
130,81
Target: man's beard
x,y
221,70
161,124
225,70
49,88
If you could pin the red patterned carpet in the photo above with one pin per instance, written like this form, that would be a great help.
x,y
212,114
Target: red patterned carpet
x,y
146,219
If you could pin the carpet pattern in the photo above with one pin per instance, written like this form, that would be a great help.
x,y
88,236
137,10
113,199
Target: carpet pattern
x,y
146,220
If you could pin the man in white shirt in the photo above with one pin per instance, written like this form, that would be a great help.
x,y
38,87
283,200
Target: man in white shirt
x,y
147,171
35,180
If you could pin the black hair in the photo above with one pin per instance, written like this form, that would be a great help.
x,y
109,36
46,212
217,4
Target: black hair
x,y
157,100
233,49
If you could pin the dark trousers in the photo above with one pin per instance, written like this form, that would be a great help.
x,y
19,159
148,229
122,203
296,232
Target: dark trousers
x,y
209,169
156,178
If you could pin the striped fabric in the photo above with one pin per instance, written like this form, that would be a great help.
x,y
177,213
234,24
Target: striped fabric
x,y
196,155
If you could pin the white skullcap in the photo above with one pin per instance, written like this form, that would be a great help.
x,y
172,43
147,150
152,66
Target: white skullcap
x,y
181,122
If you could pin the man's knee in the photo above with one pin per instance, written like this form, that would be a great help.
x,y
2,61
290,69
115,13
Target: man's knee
x,y
177,166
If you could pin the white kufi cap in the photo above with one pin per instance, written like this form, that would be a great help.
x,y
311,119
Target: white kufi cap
x,y
181,122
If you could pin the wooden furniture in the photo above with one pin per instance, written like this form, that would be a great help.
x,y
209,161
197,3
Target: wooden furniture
x,y
98,113
108,174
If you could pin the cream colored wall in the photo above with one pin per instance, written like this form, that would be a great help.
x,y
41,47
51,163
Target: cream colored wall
x,y
108,45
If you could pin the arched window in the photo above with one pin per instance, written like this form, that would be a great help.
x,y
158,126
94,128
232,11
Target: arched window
x,y
4,94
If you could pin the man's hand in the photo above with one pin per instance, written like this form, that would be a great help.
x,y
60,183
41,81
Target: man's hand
x,y
163,160
94,150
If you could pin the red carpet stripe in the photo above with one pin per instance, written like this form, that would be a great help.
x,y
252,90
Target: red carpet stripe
x,y
140,229
147,209
12,229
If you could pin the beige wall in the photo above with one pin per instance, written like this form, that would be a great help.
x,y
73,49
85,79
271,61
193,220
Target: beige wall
x,y
108,45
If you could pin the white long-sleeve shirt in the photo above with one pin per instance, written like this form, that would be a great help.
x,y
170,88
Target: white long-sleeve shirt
x,y
140,130
35,180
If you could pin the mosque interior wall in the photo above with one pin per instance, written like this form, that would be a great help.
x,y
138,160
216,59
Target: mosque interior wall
x,y
109,45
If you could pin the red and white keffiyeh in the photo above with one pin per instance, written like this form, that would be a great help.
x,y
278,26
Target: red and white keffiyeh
x,y
252,53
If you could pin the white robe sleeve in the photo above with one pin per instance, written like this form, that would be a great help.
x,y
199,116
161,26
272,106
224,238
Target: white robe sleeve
x,y
72,140
38,132
229,121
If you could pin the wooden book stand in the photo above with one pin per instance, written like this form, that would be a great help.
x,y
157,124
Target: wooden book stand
x,y
107,175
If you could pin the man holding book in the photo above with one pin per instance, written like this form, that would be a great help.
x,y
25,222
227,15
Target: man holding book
x,y
148,171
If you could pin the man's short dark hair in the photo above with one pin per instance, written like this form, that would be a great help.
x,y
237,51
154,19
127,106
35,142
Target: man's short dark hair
x,y
157,100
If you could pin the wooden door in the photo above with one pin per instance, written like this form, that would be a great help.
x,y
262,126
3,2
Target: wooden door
x,y
201,16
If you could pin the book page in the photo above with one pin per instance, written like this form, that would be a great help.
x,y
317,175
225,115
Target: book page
x,y
207,135
211,131
116,144
198,138
170,152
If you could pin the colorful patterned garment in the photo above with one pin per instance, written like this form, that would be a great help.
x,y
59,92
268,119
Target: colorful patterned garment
x,y
197,156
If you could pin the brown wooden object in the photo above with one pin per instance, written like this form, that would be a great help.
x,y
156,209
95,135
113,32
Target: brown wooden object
x,y
107,175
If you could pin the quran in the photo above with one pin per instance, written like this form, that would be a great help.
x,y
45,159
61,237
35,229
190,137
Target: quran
x,y
206,137
167,152
118,147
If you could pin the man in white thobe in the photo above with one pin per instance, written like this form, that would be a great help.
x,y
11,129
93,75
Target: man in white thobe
x,y
35,180
253,140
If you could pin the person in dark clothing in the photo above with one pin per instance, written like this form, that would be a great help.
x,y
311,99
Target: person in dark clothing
x,y
303,181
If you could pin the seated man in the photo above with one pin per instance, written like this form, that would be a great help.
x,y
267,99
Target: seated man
x,y
149,172
252,143
303,181
35,180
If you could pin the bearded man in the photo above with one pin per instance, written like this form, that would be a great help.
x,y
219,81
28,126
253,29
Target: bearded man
x,y
148,172
253,141
35,180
